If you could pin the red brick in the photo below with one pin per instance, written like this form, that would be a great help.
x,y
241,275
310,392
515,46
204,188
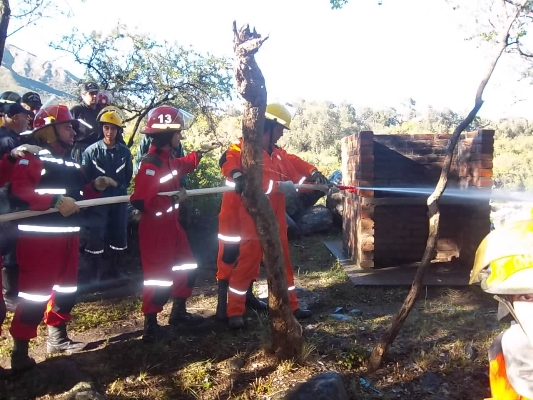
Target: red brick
x,y
366,252
367,141
366,264
366,223
444,136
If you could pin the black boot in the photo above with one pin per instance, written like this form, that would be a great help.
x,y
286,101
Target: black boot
x,y
222,303
20,361
10,283
180,316
151,328
59,342
253,302
302,314
4,373
236,322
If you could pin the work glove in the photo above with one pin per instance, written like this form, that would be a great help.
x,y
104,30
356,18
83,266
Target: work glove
x,y
103,182
238,178
20,150
181,196
207,147
287,188
318,178
66,206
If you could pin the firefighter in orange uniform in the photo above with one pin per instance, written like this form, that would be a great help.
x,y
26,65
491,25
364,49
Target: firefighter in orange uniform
x,y
280,171
169,267
509,253
47,247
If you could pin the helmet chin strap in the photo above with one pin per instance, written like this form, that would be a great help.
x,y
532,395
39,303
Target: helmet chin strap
x,y
510,307
270,144
62,144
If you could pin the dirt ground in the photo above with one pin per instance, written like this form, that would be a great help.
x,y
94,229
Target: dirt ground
x,y
440,353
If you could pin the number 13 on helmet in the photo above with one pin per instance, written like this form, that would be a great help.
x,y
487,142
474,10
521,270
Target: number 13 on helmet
x,y
167,118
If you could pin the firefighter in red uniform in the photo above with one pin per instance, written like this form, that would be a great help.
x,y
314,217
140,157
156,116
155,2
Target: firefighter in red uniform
x,y
168,264
47,248
229,232
6,168
280,171
509,253
228,250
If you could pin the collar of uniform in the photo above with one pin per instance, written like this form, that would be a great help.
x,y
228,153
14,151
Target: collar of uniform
x,y
163,153
103,146
57,149
5,131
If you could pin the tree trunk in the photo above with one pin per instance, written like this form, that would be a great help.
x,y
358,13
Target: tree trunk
x,y
286,332
5,14
378,353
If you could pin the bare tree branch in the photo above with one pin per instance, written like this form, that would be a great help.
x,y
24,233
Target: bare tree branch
x,y
378,353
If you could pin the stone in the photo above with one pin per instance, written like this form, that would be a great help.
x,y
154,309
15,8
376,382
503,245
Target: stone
x,y
325,386
315,219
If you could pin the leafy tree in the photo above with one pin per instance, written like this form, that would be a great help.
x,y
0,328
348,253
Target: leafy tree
x,y
22,13
143,74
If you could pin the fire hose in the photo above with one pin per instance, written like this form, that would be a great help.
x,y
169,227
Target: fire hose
x,y
126,199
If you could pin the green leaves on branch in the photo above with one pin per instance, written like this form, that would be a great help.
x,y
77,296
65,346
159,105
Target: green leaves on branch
x,y
337,4
143,73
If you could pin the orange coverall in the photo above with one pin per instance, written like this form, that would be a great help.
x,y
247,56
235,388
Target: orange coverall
x,y
279,166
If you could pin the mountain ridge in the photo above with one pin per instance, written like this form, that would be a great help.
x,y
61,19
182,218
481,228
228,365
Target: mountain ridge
x,y
22,71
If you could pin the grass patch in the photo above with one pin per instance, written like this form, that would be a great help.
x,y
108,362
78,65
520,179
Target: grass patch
x,y
103,314
438,336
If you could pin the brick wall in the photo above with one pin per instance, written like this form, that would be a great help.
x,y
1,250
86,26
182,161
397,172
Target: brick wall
x,y
383,228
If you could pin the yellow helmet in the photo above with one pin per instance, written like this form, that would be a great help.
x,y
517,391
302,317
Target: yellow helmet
x,y
111,115
509,253
278,113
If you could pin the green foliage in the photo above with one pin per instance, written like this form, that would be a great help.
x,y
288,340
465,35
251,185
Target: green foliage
x,y
337,4
206,175
354,358
513,155
142,73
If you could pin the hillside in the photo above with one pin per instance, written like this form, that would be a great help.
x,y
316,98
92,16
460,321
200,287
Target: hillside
x,y
22,71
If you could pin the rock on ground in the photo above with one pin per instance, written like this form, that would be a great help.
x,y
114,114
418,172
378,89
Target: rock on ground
x,y
315,219
325,386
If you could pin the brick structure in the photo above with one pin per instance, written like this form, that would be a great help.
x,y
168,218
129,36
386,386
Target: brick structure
x,y
384,228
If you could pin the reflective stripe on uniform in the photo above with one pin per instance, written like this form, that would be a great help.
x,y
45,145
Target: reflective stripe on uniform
x,y
239,292
302,180
94,251
270,186
48,229
98,167
38,298
184,267
117,248
230,239
65,289
155,282
51,191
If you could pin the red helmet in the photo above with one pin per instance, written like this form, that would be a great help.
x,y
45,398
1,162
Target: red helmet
x,y
49,116
104,97
167,119
55,114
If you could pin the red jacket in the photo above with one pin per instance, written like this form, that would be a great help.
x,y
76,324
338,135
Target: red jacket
x,y
38,181
159,172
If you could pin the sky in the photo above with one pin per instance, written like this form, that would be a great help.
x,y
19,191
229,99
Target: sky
x,y
366,54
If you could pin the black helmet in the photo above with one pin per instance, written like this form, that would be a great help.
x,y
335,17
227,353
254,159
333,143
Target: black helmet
x,y
10,97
